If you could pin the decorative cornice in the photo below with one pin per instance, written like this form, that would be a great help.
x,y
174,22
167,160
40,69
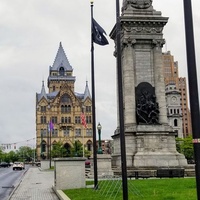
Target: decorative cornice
x,y
143,27
158,43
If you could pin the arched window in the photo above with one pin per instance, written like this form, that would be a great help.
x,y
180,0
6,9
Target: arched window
x,y
68,149
175,122
65,99
89,145
43,146
62,71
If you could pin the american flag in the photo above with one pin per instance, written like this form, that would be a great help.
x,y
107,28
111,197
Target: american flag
x,y
83,120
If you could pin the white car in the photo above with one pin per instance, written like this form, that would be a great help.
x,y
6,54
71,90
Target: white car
x,y
18,166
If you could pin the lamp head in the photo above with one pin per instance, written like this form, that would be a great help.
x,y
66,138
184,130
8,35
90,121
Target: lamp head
x,y
99,127
91,1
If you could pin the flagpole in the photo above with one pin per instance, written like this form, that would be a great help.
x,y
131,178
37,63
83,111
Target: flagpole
x,y
193,88
121,104
93,106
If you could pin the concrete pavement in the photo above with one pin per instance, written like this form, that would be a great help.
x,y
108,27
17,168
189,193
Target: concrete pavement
x,y
36,185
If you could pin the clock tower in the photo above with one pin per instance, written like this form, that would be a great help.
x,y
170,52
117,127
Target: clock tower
x,y
174,113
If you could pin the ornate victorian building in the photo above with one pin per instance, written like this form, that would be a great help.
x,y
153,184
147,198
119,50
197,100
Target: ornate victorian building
x,y
62,114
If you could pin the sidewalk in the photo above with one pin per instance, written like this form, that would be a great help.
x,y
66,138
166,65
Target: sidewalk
x,y
35,185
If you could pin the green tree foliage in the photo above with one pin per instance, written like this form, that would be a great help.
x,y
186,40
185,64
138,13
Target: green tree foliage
x,y
185,146
25,153
77,150
58,150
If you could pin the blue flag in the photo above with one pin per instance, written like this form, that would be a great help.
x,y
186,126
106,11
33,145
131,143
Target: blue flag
x,y
98,34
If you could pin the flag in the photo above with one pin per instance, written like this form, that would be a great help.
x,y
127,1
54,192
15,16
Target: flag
x,y
98,34
83,120
50,126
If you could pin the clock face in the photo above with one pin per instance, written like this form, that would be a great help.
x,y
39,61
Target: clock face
x,y
174,99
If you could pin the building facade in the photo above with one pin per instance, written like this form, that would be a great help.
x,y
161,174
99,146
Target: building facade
x,y
171,77
61,113
174,110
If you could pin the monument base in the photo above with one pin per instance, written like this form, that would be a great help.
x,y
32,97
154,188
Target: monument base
x,y
148,146
69,173
104,166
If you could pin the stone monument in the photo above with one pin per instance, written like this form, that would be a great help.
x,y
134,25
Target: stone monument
x,y
150,141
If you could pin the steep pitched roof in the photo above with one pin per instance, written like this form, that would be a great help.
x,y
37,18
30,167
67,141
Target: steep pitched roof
x,y
42,93
61,60
87,92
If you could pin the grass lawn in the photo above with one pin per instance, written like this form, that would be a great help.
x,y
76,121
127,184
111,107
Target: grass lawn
x,y
147,189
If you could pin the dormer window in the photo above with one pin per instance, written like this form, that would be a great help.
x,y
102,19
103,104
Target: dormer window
x,y
62,71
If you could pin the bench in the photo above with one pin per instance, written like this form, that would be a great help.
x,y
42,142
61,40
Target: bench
x,y
170,173
136,175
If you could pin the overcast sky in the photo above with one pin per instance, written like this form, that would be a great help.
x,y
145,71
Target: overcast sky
x,y
30,32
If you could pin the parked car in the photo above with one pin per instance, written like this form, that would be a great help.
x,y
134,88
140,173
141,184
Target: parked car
x,y
4,164
18,166
38,164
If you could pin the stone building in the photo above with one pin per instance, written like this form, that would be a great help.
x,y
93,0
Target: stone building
x,y
61,113
171,76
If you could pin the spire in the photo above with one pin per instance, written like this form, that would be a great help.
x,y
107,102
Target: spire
x,y
87,92
43,92
61,60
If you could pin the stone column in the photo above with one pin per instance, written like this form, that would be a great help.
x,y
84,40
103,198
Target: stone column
x,y
128,81
159,81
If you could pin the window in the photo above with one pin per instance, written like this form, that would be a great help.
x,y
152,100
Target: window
x,y
78,132
89,146
54,120
89,132
77,120
54,88
65,99
175,122
88,119
43,120
62,71
62,120
88,109
54,133
65,108
43,133
66,132
43,147
43,108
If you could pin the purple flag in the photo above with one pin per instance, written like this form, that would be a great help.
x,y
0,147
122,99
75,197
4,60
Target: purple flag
x,y
51,126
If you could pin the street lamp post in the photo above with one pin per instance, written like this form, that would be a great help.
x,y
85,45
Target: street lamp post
x,y
76,150
99,127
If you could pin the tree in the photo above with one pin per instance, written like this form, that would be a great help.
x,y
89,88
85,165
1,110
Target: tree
x,y
25,153
58,150
185,146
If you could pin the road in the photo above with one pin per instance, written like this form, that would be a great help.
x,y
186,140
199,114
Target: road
x,y
9,179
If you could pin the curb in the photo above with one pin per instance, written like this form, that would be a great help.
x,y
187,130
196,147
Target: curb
x,y
16,186
61,195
